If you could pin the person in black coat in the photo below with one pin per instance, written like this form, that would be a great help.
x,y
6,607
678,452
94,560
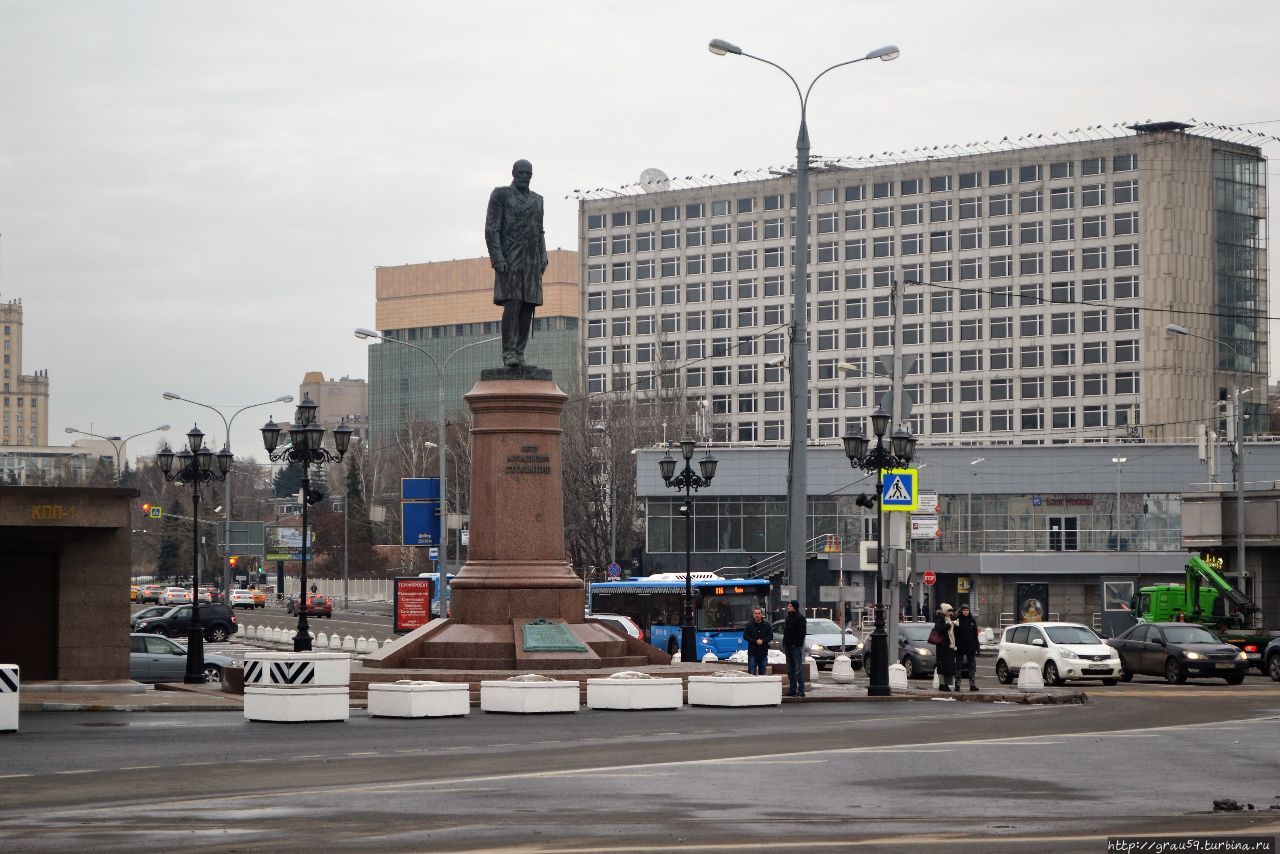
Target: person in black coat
x,y
758,634
945,646
967,646
794,631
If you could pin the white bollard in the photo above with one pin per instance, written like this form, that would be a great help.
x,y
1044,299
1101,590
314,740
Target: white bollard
x,y
362,645
335,641
10,688
348,644
278,635
937,680
897,677
810,670
842,670
388,642
1030,677
322,641
710,657
675,659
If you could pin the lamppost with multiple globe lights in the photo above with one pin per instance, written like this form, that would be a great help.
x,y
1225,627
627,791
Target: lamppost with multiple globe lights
x,y
195,466
798,482
305,448
690,482
898,455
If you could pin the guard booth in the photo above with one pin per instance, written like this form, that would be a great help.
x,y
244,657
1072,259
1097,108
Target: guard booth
x,y
65,576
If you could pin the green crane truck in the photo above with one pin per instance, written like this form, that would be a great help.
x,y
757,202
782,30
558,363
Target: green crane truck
x,y
1207,598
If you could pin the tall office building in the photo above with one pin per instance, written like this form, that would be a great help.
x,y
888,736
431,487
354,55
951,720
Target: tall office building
x,y
446,308
340,401
1036,285
24,406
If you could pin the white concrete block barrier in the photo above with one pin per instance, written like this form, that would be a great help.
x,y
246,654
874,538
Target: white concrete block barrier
x,y
10,688
362,645
297,686
348,644
631,690
1030,677
407,698
335,641
530,693
842,670
897,677
810,671
322,641
735,689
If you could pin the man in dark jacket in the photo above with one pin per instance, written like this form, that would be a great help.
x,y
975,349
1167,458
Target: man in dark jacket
x,y
967,648
793,633
758,634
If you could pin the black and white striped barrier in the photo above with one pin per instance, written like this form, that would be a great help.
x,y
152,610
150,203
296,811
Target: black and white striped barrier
x,y
9,684
297,686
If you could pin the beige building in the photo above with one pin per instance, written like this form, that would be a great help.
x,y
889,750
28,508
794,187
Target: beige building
x,y
446,309
340,399
24,408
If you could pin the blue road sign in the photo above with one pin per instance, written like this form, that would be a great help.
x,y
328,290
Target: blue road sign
x,y
900,490
615,571
420,489
420,523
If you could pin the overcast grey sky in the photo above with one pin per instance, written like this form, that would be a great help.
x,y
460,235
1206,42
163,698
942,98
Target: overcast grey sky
x,y
193,196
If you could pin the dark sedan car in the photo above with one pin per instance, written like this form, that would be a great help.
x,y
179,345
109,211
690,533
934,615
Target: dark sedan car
x,y
914,650
1178,651
1271,660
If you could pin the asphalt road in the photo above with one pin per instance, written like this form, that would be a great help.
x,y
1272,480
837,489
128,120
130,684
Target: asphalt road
x,y
922,775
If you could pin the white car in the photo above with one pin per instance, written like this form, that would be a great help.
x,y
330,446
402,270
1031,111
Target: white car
x,y
621,623
175,596
1064,651
242,599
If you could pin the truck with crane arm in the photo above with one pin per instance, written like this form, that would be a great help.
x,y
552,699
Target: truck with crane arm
x,y
1207,598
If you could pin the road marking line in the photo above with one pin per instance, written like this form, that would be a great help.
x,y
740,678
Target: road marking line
x,y
83,771
364,753
140,767
11,776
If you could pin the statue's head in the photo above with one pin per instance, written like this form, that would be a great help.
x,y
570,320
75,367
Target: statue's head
x,y
522,172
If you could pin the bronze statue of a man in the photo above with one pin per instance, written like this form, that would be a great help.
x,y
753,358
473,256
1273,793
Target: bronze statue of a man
x,y
518,252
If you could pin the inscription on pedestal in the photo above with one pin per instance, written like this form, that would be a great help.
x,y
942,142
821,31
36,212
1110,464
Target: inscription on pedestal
x,y
547,636
529,461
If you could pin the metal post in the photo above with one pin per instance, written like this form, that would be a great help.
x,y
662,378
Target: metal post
x,y
613,517
688,640
346,546
195,634
442,465
798,488
879,681
302,639
1238,452
898,520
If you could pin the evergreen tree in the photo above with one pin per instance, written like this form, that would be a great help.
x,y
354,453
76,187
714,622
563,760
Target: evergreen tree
x,y
288,481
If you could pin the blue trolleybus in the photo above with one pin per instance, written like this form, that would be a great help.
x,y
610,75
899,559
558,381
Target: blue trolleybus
x,y
721,608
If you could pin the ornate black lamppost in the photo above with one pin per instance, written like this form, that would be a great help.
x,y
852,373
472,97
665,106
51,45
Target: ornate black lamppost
x,y
689,482
195,466
877,460
306,448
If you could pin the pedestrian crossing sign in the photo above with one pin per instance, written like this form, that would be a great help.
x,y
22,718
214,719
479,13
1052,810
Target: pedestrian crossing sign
x,y
899,490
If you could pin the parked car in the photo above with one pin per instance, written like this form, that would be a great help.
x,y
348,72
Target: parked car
x,y
259,598
1271,660
242,599
217,620
175,596
1178,651
150,593
1064,651
317,605
822,641
626,625
914,650
153,658
146,614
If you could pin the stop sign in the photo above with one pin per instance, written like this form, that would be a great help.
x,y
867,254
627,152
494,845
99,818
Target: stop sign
x,y
929,578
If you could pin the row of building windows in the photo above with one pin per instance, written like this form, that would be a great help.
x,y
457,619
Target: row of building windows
x,y
465,330
858,192
1091,226
1120,255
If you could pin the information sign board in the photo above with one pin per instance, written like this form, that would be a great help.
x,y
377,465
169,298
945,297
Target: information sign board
x,y
412,605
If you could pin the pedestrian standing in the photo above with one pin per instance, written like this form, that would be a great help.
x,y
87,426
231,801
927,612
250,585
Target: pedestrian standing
x,y
793,634
967,646
758,634
943,638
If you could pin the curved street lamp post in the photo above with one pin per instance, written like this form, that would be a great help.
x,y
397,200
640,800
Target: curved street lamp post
x,y
798,488
226,491
442,463
899,455
118,444
306,449
689,482
195,467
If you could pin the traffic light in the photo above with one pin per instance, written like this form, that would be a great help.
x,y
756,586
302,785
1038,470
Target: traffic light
x,y
232,560
146,509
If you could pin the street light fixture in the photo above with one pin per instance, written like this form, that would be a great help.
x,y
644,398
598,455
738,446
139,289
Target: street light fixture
x,y
226,489
689,482
613,498
798,477
305,448
363,333
195,466
969,504
118,444
1118,462
1237,444
901,450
